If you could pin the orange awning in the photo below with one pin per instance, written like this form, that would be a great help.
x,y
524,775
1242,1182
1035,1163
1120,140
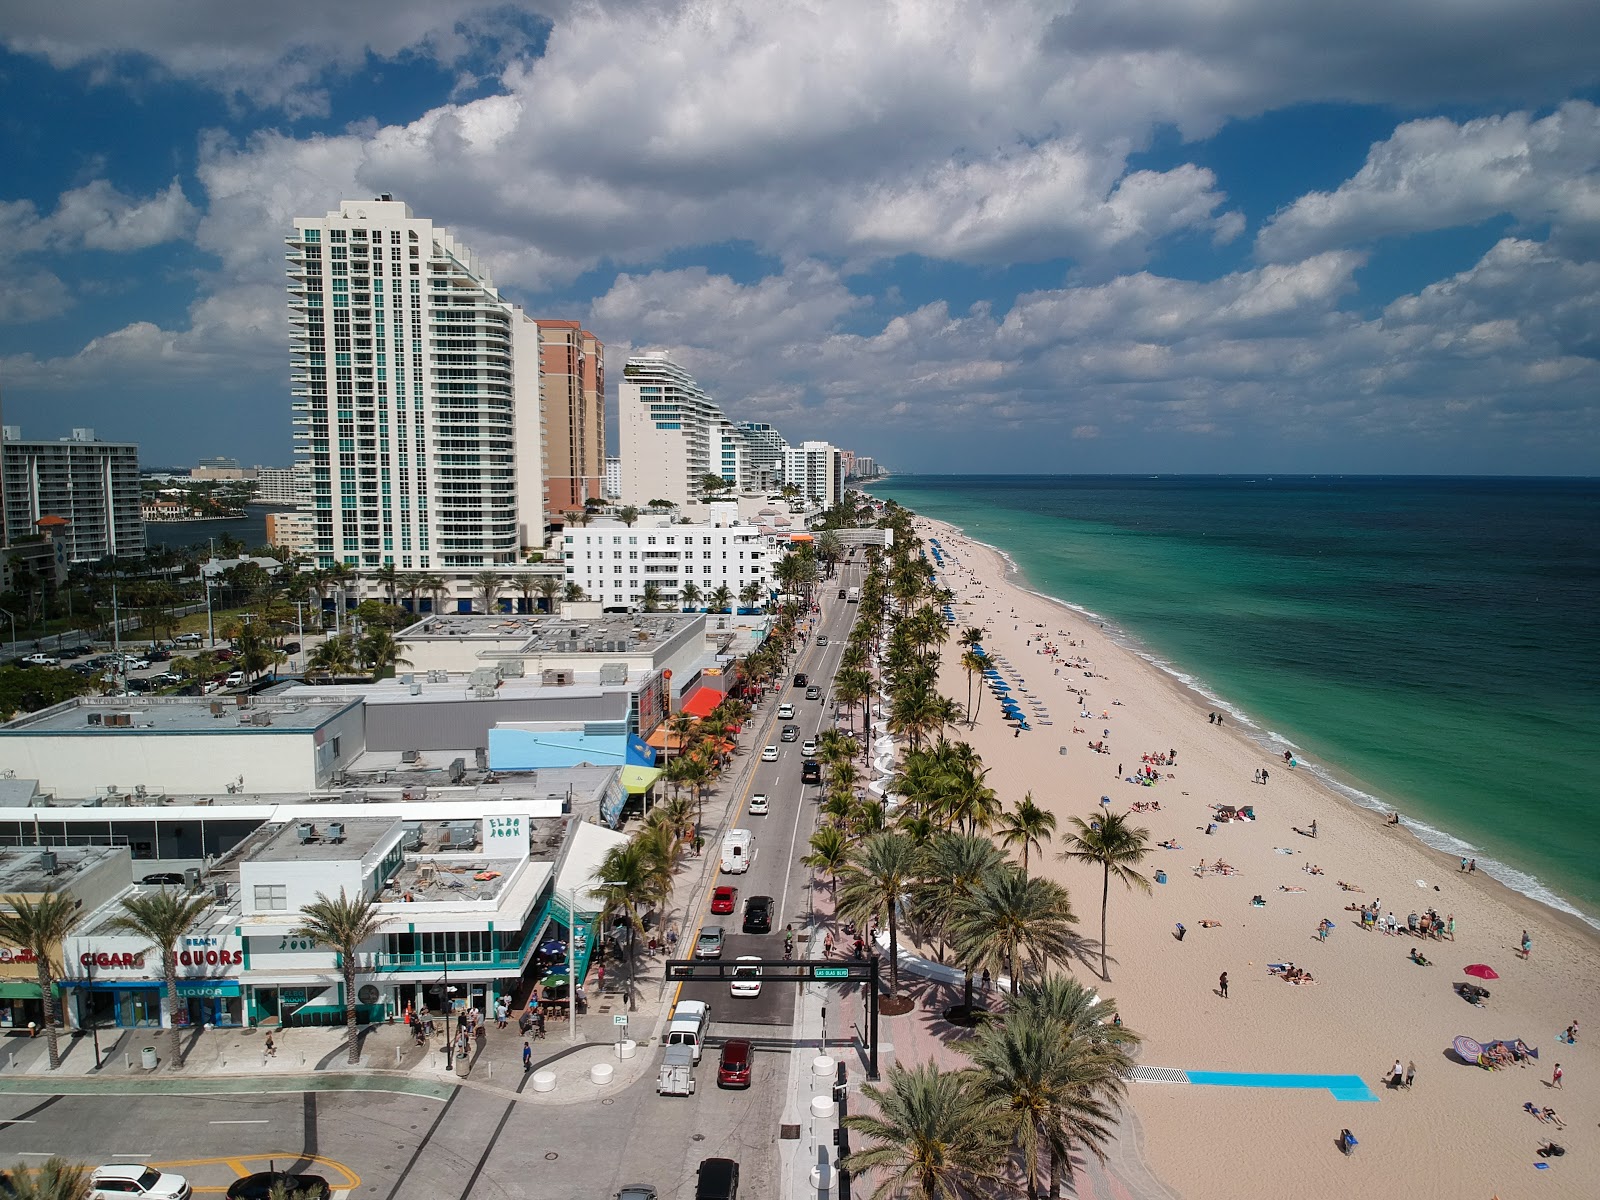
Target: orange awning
x,y
664,739
702,702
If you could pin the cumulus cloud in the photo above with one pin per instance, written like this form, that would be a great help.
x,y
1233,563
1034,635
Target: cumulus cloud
x,y
1437,174
98,217
33,296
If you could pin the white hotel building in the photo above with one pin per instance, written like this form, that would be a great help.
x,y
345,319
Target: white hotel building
x,y
613,562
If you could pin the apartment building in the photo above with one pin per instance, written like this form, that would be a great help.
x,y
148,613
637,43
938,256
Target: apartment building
x,y
614,563
572,390
283,485
83,493
416,395
671,434
817,470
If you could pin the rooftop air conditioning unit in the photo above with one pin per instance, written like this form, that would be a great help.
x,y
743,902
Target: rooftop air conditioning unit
x,y
47,861
95,718
458,770
410,756
336,831
191,878
220,891
306,831
408,679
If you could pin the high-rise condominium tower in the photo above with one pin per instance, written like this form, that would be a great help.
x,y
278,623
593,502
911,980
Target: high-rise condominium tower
x,y
416,395
572,387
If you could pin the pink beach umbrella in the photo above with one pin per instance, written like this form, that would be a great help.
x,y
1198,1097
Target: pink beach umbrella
x,y
1481,971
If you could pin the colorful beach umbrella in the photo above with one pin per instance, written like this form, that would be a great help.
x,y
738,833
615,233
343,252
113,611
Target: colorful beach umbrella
x,y
1481,971
1468,1049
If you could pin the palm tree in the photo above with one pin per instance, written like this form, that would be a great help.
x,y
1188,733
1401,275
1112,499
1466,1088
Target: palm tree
x,y
342,925
410,584
488,585
1011,922
688,595
953,867
380,651
1055,1090
437,587
651,597
830,851
628,514
40,927
56,1179
720,600
549,587
390,579
1117,847
875,879
526,586
164,918
932,1137
973,664
1027,826
632,882
750,594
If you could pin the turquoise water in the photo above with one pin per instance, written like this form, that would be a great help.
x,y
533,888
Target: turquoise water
x,y
1425,643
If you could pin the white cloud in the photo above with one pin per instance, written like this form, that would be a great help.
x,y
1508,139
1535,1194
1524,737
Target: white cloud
x,y
33,296
97,217
1437,174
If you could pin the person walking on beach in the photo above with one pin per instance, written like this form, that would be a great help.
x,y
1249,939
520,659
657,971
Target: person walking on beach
x,y
1313,827
1222,985
1411,1071
1555,1076
1527,944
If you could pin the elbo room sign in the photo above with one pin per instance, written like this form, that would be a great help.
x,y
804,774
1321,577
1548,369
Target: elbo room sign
x,y
510,831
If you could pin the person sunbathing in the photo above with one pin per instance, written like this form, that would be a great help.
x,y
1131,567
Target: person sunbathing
x,y
1285,888
1210,924
1549,1114
1419,959
1350,887
1169,844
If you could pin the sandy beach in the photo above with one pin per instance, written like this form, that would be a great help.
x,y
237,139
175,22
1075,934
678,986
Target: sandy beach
x,y
1460,1131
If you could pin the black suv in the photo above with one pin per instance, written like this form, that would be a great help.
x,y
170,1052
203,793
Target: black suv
x,y
811,771
758,914
801,679
718,1180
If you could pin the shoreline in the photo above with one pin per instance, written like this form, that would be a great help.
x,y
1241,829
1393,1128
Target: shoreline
x,y
1369,1003
1327,775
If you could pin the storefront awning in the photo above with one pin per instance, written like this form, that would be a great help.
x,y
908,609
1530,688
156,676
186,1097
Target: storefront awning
x,y
703,702
637,780
17,990
209,987
113,985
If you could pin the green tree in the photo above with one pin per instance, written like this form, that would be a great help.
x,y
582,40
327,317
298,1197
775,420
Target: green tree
x,y
39,927
549,587
874,881
164,918
689,594
973,664
830,851
1011,922
1027,825
380,651
343,925
652,597
1117,847
932,1137
488,585
720,600
628,514
632,881
56,1179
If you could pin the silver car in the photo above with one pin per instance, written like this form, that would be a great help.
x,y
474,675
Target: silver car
x,y
709,943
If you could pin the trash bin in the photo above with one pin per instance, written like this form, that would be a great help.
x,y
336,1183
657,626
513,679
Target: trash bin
x,y
148,1059
1161,876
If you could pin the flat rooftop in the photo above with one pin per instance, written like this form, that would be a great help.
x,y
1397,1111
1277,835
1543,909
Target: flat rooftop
x,y
182,714
615,633
23,869
359,836
433,879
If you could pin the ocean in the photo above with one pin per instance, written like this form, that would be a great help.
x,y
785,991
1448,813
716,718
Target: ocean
x,y
251,529
1427,644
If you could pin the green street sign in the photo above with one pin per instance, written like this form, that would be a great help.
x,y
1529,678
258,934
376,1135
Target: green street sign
x,y
830,972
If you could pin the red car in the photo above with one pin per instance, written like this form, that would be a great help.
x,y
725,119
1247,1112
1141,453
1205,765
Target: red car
x,y
734,1069
722,900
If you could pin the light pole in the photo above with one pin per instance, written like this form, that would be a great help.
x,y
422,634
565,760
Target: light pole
x,y
94,1021
211,633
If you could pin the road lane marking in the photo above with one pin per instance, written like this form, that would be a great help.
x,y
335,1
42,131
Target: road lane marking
x,y
260,1122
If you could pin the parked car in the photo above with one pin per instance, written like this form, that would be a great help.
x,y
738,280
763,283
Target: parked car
x,y
746,980
167,678
188,639
723,899
758,805
235,679
141,685
132,662
40,659
158,655
734,1068
709,943
259,1186
636,1191
758,914
785,712
137,1179
769,754
291,647
164,878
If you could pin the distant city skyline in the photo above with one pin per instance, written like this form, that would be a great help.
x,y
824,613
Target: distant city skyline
x,y
1001,237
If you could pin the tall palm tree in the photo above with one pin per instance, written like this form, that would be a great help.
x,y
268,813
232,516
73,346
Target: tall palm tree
x,y
875,879
651,597
526,586
437,587
1117,847
40,926
953,866
488,584
1054,1090
549,587
390,579
342,925
973,664
932,1137
380,651
1011,923
164,918
631,883
830,851
720,600
688,594
56,1179
1027,826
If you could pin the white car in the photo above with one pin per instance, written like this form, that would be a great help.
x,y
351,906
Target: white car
x,y
131,663
41,659
770,754
758,805
746,980
137,1179
785,712
235,678
808,748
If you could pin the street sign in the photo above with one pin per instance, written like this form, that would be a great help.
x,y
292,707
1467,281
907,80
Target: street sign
x,y
620,1019
830,972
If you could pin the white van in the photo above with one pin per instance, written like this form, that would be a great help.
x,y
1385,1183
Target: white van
x,y
688,1026
737,851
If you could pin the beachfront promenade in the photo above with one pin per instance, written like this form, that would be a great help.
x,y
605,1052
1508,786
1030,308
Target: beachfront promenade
x,y
1262,1076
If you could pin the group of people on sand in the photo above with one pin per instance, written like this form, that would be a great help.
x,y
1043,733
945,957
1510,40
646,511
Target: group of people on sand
x,y
1217,868
1546,1115
1146,806
1290,973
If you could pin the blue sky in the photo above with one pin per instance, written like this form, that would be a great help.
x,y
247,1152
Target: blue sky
x,y
1115,235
